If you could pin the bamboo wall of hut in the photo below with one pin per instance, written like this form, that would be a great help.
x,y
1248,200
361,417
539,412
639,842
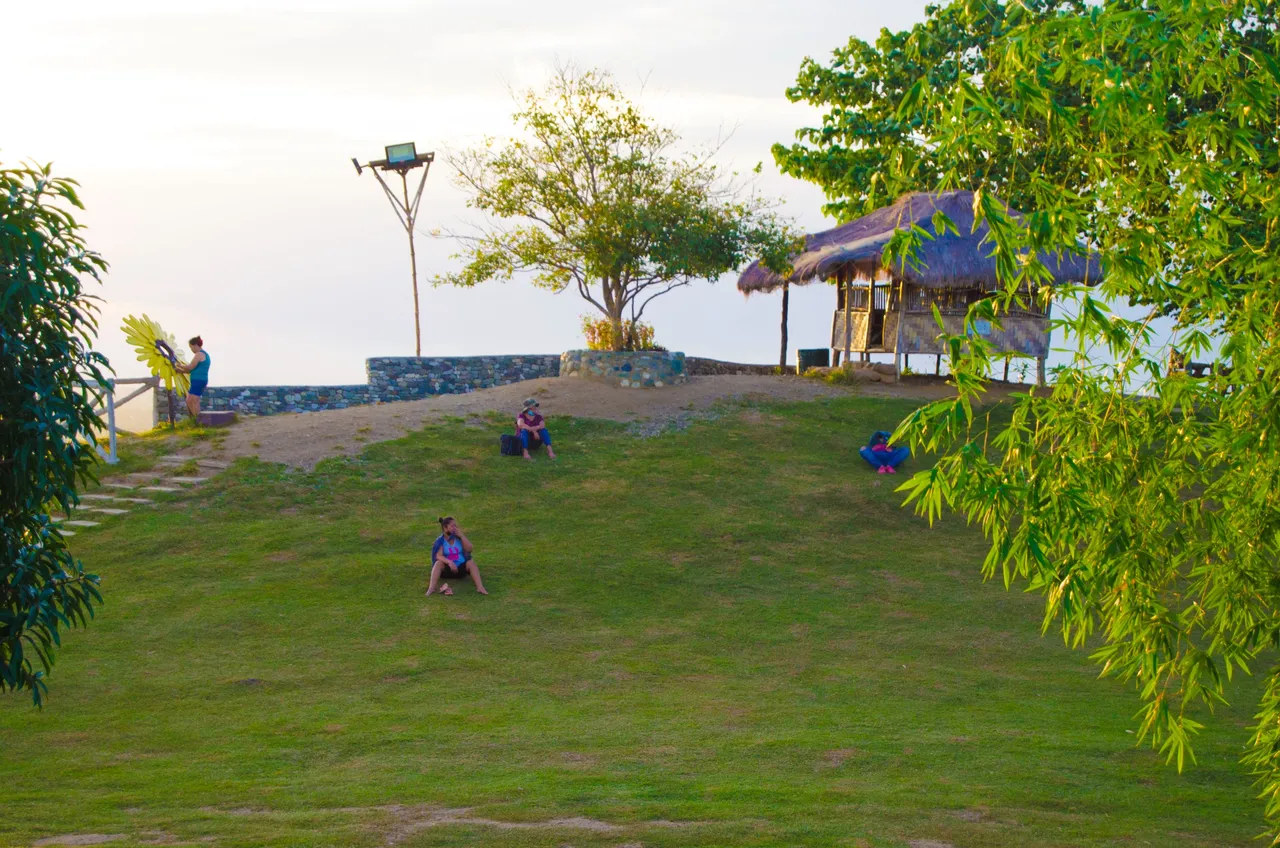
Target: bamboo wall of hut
x,y
875,330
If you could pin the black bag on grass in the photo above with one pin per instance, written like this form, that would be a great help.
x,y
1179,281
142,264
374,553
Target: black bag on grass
x,y
511,445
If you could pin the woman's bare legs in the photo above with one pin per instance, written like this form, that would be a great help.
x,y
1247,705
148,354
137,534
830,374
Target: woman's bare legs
x,y
475,577
437,569
193,407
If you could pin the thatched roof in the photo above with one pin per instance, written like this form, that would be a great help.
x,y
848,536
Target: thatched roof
x,y
948,261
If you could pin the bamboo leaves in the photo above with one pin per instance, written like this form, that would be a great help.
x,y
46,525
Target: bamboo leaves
x,y
1142,502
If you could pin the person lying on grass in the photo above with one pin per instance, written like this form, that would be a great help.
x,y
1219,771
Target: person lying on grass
x,y
451,557
530,425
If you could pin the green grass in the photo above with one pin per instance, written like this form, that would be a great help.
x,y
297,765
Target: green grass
x,y
735,628
139,452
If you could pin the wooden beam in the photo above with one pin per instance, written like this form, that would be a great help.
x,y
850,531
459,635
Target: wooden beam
x,y
897,342
1040,362
848,303
786,296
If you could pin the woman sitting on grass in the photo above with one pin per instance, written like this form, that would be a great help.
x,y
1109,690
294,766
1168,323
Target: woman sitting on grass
x,y
451,557
531,425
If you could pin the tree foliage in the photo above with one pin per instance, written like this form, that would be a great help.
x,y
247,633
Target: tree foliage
x,y
602,201
47,420
636,335
875,120
1143,504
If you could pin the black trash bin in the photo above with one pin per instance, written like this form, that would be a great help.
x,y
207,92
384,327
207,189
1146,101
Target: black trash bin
x,y
813,358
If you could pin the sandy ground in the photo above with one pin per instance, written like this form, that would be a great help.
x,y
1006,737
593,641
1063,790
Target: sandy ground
x,y
303,439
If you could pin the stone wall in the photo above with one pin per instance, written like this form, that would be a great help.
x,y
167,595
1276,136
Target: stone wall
x,y
696,366
395,378
268,400
408,377
391,378
641,369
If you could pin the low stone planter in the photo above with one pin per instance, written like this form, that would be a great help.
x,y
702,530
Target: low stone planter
x,y
645,369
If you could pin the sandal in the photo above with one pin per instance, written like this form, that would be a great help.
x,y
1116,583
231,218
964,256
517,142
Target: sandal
x,y
444,589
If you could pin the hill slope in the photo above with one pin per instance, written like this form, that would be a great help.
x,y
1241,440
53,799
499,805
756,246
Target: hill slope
x,y
727,635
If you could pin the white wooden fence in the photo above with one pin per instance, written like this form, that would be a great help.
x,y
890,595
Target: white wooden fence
x,y
144,383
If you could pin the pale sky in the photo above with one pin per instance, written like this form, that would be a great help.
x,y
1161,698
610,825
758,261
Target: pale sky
x,y
213,142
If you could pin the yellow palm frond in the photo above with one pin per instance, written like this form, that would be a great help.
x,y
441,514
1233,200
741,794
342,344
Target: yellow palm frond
x,y
157,350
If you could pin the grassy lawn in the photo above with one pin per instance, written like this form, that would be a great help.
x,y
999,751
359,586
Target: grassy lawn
x,y
726,636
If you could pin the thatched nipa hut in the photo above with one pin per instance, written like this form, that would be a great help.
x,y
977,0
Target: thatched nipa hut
x,y
881,310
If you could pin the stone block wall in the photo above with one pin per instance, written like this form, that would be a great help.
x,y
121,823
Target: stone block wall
x,y
396,378
408,377
391,378
642,369
696,366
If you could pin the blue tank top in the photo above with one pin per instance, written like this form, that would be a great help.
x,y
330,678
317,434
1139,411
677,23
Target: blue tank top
x,y
201,371
452,549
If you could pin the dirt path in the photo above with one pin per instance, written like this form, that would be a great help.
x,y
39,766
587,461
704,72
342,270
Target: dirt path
x,y
303,439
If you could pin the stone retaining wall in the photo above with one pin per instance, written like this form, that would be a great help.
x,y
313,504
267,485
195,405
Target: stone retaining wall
x,y
641,369
408,377
395,378
391,378
696,366
268,400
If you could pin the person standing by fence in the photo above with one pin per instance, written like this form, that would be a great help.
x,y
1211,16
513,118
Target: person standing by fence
x,y
198,368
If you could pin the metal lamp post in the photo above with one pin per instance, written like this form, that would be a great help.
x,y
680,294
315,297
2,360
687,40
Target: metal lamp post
x,y
403,158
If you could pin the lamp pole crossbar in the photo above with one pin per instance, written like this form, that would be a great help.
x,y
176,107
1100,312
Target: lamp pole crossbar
x,y
406,210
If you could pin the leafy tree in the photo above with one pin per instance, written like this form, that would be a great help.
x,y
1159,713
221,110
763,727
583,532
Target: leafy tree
x,y
46,418
604,203
1142,503
875,121
878,122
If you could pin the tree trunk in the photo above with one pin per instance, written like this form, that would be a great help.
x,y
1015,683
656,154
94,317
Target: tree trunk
x,y
616,321
782,355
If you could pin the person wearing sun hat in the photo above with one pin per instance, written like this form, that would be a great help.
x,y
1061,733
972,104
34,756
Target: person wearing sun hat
x,y
530,425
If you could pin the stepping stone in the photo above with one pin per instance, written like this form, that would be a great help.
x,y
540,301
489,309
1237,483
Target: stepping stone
x,y
68,532
81,523
120,485
188,480
221,418
175,458
213,463
105,510
161,489
101,498
133,500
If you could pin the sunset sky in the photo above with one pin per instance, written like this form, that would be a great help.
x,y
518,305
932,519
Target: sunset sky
x,y
213,144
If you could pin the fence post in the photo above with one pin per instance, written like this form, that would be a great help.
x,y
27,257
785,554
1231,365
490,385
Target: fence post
x,y
112,458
